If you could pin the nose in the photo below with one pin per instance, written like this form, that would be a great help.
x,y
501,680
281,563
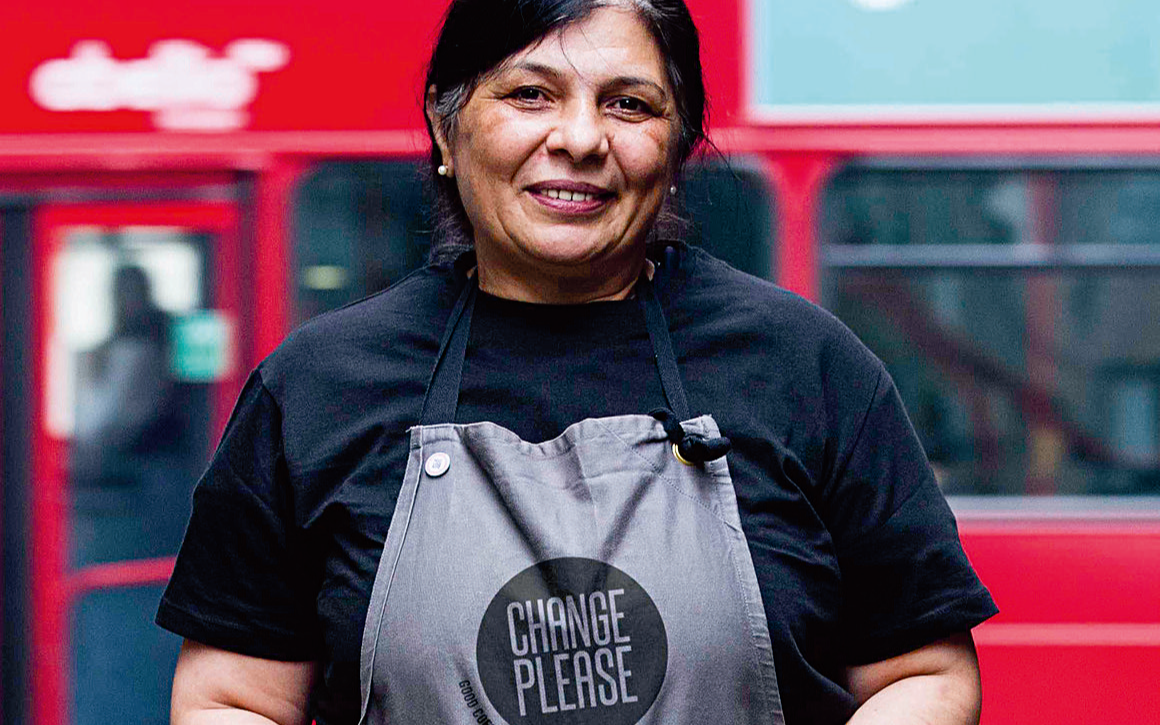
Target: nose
x,y
580,133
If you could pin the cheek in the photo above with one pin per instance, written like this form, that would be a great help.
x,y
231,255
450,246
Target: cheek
x,y
481,176
646,159
497,146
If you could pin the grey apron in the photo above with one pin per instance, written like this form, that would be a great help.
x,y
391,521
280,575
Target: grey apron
x,y
599,577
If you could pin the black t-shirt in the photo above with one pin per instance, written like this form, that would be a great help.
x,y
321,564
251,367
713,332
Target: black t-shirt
x,y
856,552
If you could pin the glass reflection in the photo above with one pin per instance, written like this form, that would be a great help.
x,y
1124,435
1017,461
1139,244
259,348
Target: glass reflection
x,y
1014,308
1021,383
137,427
125,406
137,431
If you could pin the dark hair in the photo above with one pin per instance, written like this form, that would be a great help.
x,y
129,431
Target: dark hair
x,y
478,35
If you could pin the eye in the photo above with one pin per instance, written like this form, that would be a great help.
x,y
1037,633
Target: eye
x,y
633,107
528,95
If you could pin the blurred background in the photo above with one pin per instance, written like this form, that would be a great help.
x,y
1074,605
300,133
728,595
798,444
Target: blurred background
x,y
972,186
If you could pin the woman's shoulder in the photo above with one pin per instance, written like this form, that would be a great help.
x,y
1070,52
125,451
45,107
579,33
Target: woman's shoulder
x,y
769,316
410,311
707,280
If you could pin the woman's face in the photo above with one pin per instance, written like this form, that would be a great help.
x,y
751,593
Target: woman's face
x,y
563,156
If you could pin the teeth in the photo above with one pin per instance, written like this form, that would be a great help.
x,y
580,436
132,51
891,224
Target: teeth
x,y
566,195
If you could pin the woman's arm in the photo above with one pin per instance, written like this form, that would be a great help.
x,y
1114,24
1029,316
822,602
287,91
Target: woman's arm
x,y
934,685
215,687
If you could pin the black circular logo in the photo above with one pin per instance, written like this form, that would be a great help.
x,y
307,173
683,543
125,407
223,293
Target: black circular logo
x,y
572,640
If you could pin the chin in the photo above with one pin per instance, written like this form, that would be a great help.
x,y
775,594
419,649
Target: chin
x,y
569,252
580,260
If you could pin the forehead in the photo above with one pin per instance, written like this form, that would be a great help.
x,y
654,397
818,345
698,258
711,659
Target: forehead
x,y
609,43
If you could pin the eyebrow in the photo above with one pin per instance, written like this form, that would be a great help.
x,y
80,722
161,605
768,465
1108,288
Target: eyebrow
x,y
617,82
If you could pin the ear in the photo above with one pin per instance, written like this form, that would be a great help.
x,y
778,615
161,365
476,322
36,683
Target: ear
x,y
437,126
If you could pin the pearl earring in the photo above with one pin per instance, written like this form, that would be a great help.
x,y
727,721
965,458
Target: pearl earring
x,y
673,190
443,170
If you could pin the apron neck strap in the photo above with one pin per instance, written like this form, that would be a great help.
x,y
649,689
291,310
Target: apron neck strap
x,y
442,398
662,345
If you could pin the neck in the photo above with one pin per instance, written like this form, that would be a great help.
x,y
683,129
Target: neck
x,y
571,285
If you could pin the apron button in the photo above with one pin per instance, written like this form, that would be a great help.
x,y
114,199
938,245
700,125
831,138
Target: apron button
x,y
437,464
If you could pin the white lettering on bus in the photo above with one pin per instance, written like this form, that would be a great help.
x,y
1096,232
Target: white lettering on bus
x,y
179,82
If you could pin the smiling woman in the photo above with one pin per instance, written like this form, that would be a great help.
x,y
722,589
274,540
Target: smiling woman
x,y
563,156
609,104
572,468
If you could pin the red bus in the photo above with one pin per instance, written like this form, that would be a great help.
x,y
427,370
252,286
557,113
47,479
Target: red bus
x,y
251,164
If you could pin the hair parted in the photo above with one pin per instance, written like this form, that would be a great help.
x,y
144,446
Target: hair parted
x,y
478,35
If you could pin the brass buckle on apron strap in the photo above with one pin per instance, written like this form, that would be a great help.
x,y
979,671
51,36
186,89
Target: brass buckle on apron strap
x,y
690,449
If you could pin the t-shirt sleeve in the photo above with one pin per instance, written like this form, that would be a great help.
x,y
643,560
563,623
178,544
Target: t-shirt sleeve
x,y
242,581
906,580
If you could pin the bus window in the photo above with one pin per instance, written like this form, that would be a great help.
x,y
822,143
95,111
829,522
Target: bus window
x,y
360,227
1014,309
134,422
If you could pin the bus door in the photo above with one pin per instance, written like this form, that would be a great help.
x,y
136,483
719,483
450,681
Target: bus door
x,y
137,331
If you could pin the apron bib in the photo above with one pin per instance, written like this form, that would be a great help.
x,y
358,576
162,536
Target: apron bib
x,y
592,578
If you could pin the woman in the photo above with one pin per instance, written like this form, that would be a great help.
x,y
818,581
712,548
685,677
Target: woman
x,y
558,554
